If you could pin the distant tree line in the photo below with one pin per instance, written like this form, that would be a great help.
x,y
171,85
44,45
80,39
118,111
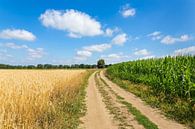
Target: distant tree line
x,y
50,66
100,64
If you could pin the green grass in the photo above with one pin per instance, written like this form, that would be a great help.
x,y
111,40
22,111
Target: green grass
x,y
139,117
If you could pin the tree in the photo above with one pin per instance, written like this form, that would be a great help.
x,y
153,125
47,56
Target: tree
x,y
101,63
30,67
40,66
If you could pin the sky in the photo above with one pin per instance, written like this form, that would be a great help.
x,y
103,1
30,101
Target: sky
x,y
83,31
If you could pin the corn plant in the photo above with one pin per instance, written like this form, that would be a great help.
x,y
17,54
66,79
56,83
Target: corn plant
x,y
172,76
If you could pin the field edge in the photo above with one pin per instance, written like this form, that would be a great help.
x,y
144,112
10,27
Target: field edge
x,y
151,100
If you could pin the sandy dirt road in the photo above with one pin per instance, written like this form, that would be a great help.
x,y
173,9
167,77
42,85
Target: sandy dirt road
x,y
97,116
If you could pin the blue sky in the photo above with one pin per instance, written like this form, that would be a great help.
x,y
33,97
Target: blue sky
x,y
82,31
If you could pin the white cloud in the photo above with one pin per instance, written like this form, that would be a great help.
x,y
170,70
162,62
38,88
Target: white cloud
x,y
168,40
109,32
115,57
76,23
155,35
97,47
120,39
33,53
143,52
72,35
171,40
127,11
185,51
17,34
87,51
83,55
184,38
15,46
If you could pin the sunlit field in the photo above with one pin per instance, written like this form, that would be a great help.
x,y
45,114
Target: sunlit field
x,y
38,98
169,84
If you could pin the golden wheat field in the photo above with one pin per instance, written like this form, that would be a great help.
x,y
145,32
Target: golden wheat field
x,y
31,98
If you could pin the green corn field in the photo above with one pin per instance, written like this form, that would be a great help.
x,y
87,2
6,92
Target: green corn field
x,y
170,79
172,76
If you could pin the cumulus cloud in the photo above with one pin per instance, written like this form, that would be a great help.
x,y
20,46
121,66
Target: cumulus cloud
x,y
120,39
127,11
143,52
155,35
17,34
87,51
109,32
171,40
168,40
76,23
33,53
115,57
185,51
97,47
15,46
83,55
184,38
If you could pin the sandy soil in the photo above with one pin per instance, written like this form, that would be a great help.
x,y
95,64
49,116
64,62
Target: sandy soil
x,y
128,120
153,114
97,116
